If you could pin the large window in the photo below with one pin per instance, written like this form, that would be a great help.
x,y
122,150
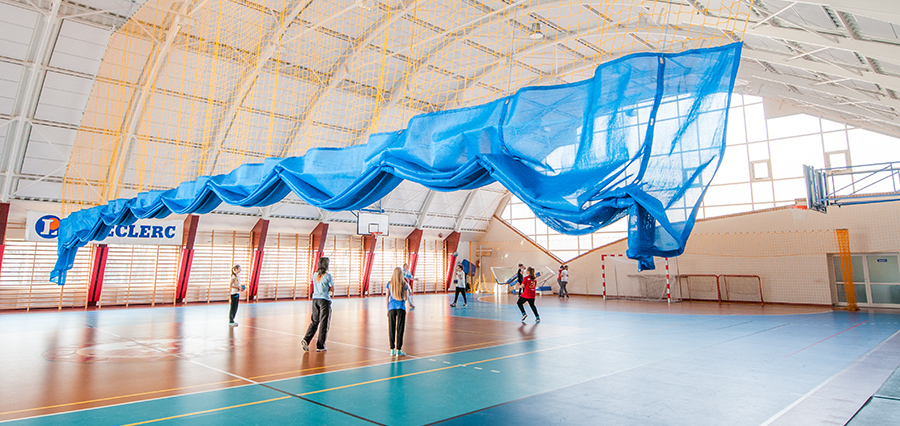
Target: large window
x,y
345,256
140,275
390,253
147,275
25,277
761,169
286,267
215,252
430,267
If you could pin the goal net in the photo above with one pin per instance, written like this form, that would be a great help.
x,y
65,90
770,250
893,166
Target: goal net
x,y
699,287
624,281
741,288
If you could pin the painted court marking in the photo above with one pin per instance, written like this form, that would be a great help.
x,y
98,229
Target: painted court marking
x,y
820,341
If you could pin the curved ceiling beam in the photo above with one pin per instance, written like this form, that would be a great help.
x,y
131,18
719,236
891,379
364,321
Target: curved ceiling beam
x,y
528,50
881,51
861,117
423,211
339,71
835,90
267,49
156,61
886,10
27,99
446,38
465,208
884,80
625,26
858,117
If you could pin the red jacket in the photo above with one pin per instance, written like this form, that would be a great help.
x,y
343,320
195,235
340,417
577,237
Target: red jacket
x,y
529,285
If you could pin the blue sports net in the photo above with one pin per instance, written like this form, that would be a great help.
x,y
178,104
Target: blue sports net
x,y
642,138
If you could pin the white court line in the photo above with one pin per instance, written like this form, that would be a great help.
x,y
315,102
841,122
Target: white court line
x,y
330,341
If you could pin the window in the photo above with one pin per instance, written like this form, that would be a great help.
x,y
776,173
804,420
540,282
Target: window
x,y
760,170
761,167
837,159
285,268
25,279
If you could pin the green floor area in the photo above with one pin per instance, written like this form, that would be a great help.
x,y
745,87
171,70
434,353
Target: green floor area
x,y
883,408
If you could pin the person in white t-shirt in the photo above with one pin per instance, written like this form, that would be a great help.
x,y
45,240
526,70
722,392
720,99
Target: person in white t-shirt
x,y
236,289
563,280
459,279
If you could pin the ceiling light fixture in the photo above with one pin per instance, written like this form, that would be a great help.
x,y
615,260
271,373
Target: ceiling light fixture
x,y
534,31
366,4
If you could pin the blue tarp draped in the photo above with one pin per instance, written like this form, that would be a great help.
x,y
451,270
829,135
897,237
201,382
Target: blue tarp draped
x,y
642,138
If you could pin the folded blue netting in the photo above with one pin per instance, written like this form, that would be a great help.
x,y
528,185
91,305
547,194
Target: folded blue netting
x,y
642,138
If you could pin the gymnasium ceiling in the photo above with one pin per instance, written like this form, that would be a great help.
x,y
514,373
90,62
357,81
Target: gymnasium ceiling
x,y
838,59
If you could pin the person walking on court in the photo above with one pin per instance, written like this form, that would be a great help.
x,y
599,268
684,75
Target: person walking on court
x,y
236,289
323,289
559,279
459,278
563,280
528,293
397,294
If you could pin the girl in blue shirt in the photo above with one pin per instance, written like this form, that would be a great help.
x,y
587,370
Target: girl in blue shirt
x,y
397,294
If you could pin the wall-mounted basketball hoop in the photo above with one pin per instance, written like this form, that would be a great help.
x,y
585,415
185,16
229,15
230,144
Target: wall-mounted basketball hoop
x,y
368,223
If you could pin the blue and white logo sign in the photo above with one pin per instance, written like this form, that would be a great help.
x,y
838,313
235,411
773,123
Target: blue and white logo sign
x,y
41,226
45,227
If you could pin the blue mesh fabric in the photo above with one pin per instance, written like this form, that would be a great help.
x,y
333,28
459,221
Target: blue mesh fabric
x,y
642,138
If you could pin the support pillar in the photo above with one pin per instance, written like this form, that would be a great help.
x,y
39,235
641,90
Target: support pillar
x,y
413,242
4,216
843,239
98,268
317,237
451,245
369,244
258,241
187,257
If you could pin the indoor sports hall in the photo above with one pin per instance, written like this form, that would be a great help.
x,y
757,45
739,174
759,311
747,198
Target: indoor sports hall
x,y
597,212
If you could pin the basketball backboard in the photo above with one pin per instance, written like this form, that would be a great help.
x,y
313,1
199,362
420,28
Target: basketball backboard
x,y
372,223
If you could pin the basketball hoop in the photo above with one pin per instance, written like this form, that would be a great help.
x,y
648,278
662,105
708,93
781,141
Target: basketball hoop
x,y
372,224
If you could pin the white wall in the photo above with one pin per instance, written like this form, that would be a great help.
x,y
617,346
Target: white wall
x,y
509,248
788,248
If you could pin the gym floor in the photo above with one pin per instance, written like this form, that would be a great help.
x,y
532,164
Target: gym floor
x,y
589,361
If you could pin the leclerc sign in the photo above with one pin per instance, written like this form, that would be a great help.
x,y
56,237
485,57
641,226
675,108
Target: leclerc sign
x,y
45,227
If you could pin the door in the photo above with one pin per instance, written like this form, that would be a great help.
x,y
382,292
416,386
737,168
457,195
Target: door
x,y
876,278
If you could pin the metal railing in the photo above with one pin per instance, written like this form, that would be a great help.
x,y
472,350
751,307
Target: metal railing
x,y
842,186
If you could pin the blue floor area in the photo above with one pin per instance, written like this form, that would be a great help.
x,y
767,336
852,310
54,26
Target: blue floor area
x,y
599,367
